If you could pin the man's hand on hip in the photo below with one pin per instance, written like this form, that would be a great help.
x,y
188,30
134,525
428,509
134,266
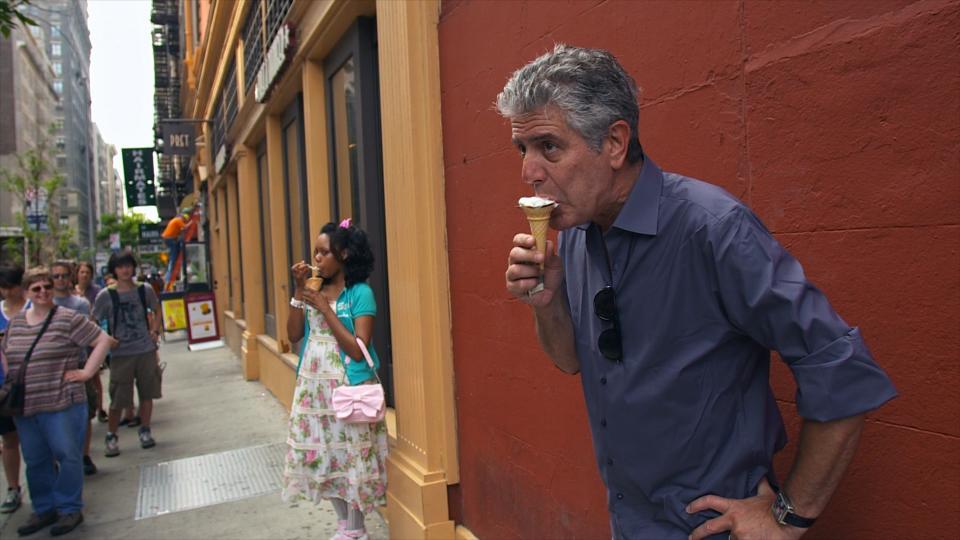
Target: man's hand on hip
x,y
745,519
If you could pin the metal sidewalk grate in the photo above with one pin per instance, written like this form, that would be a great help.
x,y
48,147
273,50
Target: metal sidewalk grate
x,y
195,482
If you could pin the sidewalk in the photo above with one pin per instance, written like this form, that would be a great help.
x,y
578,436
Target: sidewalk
x,y
207,408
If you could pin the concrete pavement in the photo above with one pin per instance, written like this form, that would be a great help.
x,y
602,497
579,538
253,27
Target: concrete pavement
x,y
207,408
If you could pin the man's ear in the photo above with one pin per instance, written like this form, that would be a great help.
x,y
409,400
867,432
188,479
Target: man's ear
x,y
617,142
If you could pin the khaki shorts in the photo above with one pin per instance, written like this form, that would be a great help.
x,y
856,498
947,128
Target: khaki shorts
x,y
124,370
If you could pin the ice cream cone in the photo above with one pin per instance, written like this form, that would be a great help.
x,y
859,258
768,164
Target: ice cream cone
x,y
539,220
315,281
538,212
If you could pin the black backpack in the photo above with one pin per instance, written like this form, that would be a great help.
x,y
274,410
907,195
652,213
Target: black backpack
x,y
115,300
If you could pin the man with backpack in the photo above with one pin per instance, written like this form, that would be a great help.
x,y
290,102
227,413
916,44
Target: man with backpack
x,y
126,309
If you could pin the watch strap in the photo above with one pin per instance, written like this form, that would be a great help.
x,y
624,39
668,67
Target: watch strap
x,y
798,521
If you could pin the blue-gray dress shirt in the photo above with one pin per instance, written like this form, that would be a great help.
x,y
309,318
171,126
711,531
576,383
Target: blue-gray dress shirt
x,y
703,294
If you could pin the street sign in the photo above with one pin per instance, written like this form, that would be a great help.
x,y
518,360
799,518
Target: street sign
x,y
138,177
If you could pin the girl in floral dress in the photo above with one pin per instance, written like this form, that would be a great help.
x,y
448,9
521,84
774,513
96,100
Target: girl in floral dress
x,y
327,459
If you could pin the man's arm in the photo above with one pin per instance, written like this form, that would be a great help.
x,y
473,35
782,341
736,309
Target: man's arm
x,y
551,314
826,449
555,332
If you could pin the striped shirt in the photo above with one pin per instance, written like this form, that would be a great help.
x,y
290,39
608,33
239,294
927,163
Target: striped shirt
x,y
58,351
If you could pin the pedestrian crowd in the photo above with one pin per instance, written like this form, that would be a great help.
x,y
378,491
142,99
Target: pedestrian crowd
x,y
60,329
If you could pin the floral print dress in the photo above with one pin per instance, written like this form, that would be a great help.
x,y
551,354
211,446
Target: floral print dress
x,y
327,458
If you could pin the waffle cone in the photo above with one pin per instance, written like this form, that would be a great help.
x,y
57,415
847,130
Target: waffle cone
x,y
539,220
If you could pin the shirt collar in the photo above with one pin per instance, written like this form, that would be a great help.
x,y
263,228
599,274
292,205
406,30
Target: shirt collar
x,y
640,214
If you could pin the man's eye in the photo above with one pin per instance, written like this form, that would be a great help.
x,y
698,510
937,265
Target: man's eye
x,y
549,146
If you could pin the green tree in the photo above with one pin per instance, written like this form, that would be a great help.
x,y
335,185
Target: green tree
x,y
36,183
128,225
10,16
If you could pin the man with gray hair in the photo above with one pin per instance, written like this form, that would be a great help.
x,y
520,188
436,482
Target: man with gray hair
x,y
667,295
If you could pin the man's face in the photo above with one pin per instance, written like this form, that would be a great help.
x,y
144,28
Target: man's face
x,y
62,280
560,165
124,272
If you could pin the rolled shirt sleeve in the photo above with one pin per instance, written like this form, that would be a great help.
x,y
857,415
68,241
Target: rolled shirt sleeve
x,y
767,296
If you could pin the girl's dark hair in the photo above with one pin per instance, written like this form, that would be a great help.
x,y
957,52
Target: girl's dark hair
x,y
11,276
121,258
359,260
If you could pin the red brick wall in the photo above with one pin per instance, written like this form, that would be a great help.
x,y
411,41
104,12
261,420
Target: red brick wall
x,y
837,121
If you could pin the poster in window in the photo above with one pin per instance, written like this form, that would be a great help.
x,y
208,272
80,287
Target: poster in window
x,y
174,312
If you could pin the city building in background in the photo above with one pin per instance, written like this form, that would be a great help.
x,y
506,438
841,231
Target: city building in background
x,y
836,123
62,27
109,185
28,107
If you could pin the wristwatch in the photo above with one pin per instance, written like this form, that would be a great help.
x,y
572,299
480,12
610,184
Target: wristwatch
x,y
783,512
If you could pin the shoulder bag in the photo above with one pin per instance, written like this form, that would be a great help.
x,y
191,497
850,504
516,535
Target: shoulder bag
x,y
363,403
13,391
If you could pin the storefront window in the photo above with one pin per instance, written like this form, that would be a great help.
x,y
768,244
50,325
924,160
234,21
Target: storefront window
x,y
344,99
295,181
266,244
356,171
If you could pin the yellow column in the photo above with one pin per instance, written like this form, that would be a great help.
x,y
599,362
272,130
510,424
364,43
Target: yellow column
x,y
233,242
253,309
278,229
424,459
220,258
315,140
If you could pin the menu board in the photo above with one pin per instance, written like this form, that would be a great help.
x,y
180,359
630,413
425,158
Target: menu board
x,y
201,317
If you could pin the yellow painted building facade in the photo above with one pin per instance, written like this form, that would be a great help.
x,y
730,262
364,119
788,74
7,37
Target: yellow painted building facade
x,y
320,110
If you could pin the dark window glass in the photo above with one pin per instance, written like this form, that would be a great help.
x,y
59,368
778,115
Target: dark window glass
x,y
266,243
356,173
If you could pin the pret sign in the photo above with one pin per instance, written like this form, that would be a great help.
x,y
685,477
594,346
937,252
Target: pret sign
x,y
178,138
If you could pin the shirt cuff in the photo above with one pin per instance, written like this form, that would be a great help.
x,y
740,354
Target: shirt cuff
x,y
840,380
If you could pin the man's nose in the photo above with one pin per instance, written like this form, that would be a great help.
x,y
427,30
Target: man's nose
x,y
531,172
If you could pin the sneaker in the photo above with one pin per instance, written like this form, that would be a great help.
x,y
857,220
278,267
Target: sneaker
x,y
355,534
88,467
125,421
134,422
102,416
11,502
112,445
37,522
146,440
66,523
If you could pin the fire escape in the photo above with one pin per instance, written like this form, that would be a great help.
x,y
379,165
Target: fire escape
x,y
173,173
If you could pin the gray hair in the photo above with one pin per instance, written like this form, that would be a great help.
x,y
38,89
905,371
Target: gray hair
x,y
588,85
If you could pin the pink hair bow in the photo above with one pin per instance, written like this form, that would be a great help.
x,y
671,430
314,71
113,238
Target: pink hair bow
x,y
345,224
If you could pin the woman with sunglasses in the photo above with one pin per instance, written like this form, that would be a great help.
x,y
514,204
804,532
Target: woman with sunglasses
x,y
48,343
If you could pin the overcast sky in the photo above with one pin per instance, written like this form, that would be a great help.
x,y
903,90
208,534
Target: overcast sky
x,y
121,73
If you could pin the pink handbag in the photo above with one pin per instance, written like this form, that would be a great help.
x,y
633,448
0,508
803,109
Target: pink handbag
x,y
363,403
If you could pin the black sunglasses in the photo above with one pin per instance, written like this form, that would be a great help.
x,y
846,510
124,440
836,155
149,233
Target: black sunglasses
x,y
38,288
610,340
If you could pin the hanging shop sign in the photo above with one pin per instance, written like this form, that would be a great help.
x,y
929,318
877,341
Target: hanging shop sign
x,y
138,177
178,138
281,50
220,160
